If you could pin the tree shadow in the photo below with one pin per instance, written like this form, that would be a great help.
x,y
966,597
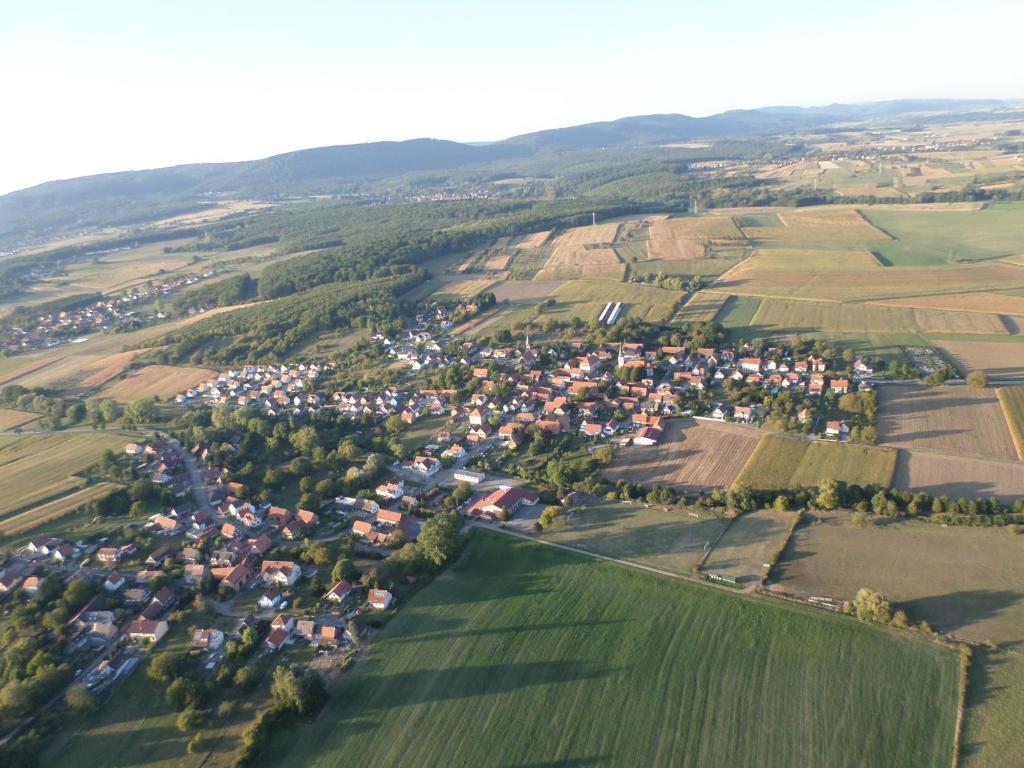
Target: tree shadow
x,y
956,610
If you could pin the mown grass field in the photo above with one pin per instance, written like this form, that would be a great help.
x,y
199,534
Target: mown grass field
x,y
38,469
524,655
750,541
738,311
781,461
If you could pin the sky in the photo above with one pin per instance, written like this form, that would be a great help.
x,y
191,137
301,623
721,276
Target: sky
x,y
92,87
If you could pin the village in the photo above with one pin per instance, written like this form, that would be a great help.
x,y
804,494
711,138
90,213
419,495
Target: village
x,y
107,314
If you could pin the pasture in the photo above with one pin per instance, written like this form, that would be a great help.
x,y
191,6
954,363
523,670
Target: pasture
x,y
160,381
665,538
35,469
954,419
946,474
750,540
692,456
523,655
782,461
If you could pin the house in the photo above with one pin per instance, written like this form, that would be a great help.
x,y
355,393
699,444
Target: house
x,y
720,411
454,451
207,639
305,628
31,585
43,545
647,436
839,429
277,638
380,599
237,577
113,554
426,465
269,599
146,630
391,490
862,369
329,635
280,572
195,573
307,519
114,582
504,501
9,580
389,518
339,592
840,386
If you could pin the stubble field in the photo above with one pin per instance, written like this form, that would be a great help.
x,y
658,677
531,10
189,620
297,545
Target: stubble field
x,y
162,381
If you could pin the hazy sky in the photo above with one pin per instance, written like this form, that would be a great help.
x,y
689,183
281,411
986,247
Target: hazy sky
x,y
88,87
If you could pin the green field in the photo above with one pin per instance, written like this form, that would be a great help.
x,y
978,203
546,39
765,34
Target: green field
x,y
701,306
37,469
931,238
780,461
524,655
754,220
738,311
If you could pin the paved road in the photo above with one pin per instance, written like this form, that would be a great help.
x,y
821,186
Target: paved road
x,y
199,492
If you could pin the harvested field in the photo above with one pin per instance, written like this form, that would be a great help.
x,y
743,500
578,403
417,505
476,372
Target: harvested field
x,y
692,456
669,539
162,381
806,259
12,419
465,289
1000,360
497,262
688,237
954,419
1012,401
819,225
757,277
750,541
523,291
106,368
945,474
986,302
528,242
26,521
954,578
583,252
775,316
782,461
960,322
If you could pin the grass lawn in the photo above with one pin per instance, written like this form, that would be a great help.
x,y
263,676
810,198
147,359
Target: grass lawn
x,y
418,434
523,655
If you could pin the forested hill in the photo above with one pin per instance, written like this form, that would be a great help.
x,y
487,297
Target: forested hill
x,y
135,196
123,198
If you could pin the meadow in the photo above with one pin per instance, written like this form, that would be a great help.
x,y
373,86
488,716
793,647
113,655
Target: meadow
x,y
751,540
46,513
781,461
556,659
35,469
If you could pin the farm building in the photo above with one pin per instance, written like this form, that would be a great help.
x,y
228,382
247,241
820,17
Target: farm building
x,y
506,500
